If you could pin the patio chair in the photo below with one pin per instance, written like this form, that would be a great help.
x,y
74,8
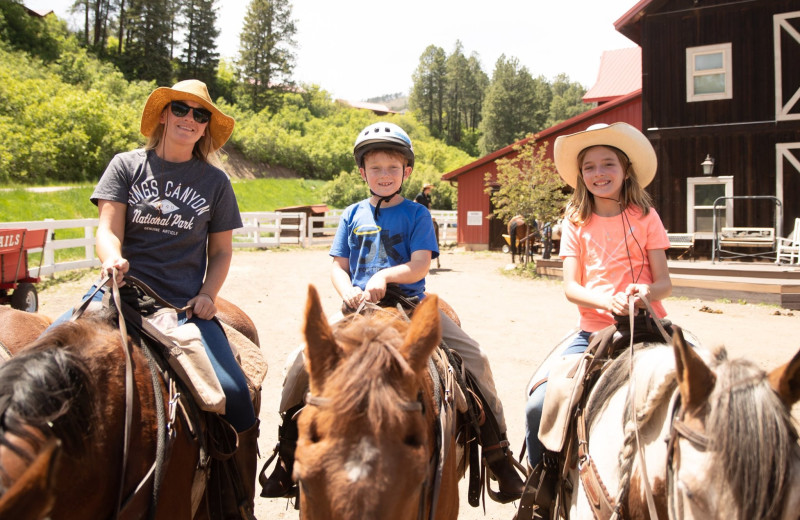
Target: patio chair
x,y
788,249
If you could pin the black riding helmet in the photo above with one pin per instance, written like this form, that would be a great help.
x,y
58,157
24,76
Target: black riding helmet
x,y
383,136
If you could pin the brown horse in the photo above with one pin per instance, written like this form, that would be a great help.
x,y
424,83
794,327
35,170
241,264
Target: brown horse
x,y
367,442
68,388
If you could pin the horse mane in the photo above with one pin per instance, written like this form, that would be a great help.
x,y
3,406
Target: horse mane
x,y
48,386
365,382
744,410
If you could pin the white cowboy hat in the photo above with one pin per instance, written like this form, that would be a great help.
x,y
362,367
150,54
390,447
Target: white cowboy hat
x,y
619,135
220,127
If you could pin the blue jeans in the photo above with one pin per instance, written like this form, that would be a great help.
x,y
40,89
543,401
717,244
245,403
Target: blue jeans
x,y
535,404
238,406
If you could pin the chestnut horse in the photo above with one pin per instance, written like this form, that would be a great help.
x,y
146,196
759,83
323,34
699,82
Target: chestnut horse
x,y
732,453
62,426
367,440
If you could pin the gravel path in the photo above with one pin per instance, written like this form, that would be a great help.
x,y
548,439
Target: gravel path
x,y
517,321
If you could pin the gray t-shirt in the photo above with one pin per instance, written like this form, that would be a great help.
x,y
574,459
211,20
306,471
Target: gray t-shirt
x,y
172,207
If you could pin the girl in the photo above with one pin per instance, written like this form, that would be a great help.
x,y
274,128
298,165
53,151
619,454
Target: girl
x,y
613,242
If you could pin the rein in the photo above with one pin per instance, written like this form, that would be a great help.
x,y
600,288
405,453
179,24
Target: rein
x,y
166,432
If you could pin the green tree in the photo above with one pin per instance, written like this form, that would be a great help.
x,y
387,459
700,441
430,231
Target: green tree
x,y
567,100
266,59
428,90
200,59
457,69
148,40
516,104
529,185
28,33
347,188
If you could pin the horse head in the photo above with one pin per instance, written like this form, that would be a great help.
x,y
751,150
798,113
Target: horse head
x,y
366,439
735,453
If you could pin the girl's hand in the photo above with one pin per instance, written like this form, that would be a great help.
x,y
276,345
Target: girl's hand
x,y
353,297
120,264
202,306
637,290
618,304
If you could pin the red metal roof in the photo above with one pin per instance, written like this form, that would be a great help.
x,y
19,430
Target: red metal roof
x,y
620,74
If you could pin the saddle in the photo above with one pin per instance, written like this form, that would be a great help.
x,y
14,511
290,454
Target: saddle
x,y
183,366
562,429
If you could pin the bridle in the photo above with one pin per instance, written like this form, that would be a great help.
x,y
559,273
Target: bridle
x,y
430,484
679,429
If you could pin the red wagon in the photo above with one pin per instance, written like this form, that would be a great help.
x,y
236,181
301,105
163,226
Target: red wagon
x,y
16,284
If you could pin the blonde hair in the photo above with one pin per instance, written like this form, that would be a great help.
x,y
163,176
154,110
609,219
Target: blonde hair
x,y
581,205
203,148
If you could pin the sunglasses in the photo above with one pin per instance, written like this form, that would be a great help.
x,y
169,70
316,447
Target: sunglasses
x,y
201,115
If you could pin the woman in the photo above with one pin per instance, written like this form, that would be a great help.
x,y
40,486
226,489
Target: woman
x,y
167,215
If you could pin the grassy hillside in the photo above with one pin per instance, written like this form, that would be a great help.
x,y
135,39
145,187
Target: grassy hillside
x,y
19,205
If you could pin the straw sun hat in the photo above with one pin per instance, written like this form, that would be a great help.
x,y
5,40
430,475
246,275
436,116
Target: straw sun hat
x,y
619,135
220,127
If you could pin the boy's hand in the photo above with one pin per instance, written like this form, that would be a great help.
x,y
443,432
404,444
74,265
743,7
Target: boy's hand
x,y
375,289
353,297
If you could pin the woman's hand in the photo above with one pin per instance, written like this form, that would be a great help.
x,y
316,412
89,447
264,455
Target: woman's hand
x,y
117,267
202,306
618,304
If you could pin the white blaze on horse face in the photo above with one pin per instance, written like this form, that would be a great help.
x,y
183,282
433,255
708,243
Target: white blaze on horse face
x,y
361,461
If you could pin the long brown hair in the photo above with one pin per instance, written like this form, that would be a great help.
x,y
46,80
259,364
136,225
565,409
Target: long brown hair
x,y
581,205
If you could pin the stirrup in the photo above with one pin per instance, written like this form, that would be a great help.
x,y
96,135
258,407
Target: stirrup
x,y
263,480
535,502
500,496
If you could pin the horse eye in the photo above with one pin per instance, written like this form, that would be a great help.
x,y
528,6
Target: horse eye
x,y
413,440
313,433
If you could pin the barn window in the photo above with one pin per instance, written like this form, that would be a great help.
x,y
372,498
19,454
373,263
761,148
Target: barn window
x,y
701,194
708,72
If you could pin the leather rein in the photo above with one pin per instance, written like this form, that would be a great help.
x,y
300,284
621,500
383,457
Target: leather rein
x,y
604,505
149,485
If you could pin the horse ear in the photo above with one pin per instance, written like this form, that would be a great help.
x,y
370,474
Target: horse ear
x,y
322,351
785,380
695,379
424,335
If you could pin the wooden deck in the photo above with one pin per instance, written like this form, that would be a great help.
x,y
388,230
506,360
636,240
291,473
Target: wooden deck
x,y
752,282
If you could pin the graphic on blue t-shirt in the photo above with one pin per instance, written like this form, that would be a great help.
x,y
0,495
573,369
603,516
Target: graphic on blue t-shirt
x,y
379,246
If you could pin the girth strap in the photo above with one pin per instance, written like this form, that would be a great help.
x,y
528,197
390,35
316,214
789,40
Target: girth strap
x,y
603,505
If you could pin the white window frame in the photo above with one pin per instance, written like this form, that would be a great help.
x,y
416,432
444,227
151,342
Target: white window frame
x,y
726,70
691,182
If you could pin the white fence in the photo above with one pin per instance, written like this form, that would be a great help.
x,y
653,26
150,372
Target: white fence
x,y
260,230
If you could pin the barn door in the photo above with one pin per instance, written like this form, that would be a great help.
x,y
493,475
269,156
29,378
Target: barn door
x,y
787,181
786,30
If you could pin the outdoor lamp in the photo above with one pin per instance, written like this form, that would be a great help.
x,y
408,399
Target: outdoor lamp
x,y
708,165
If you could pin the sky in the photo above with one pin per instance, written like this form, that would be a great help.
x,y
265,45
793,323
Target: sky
x,y
360,49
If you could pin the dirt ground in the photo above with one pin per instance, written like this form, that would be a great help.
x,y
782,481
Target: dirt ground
x,y
517,321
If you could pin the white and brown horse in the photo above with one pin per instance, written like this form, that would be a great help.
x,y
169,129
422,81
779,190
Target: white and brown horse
x,y
716,439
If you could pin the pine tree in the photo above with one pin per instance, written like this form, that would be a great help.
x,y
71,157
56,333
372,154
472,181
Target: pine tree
x,y
457,70
516,104
266,59
199,59
148,39
428,91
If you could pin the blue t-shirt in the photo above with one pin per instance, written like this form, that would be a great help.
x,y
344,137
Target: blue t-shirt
x,y
370,246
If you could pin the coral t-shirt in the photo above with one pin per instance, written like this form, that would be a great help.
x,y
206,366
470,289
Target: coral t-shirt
x,y
612,254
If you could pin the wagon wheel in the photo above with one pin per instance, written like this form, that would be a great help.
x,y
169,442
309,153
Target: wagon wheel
x,y
25,298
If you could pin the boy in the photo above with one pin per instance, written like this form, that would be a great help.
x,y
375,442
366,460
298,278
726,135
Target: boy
x,y
380,240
